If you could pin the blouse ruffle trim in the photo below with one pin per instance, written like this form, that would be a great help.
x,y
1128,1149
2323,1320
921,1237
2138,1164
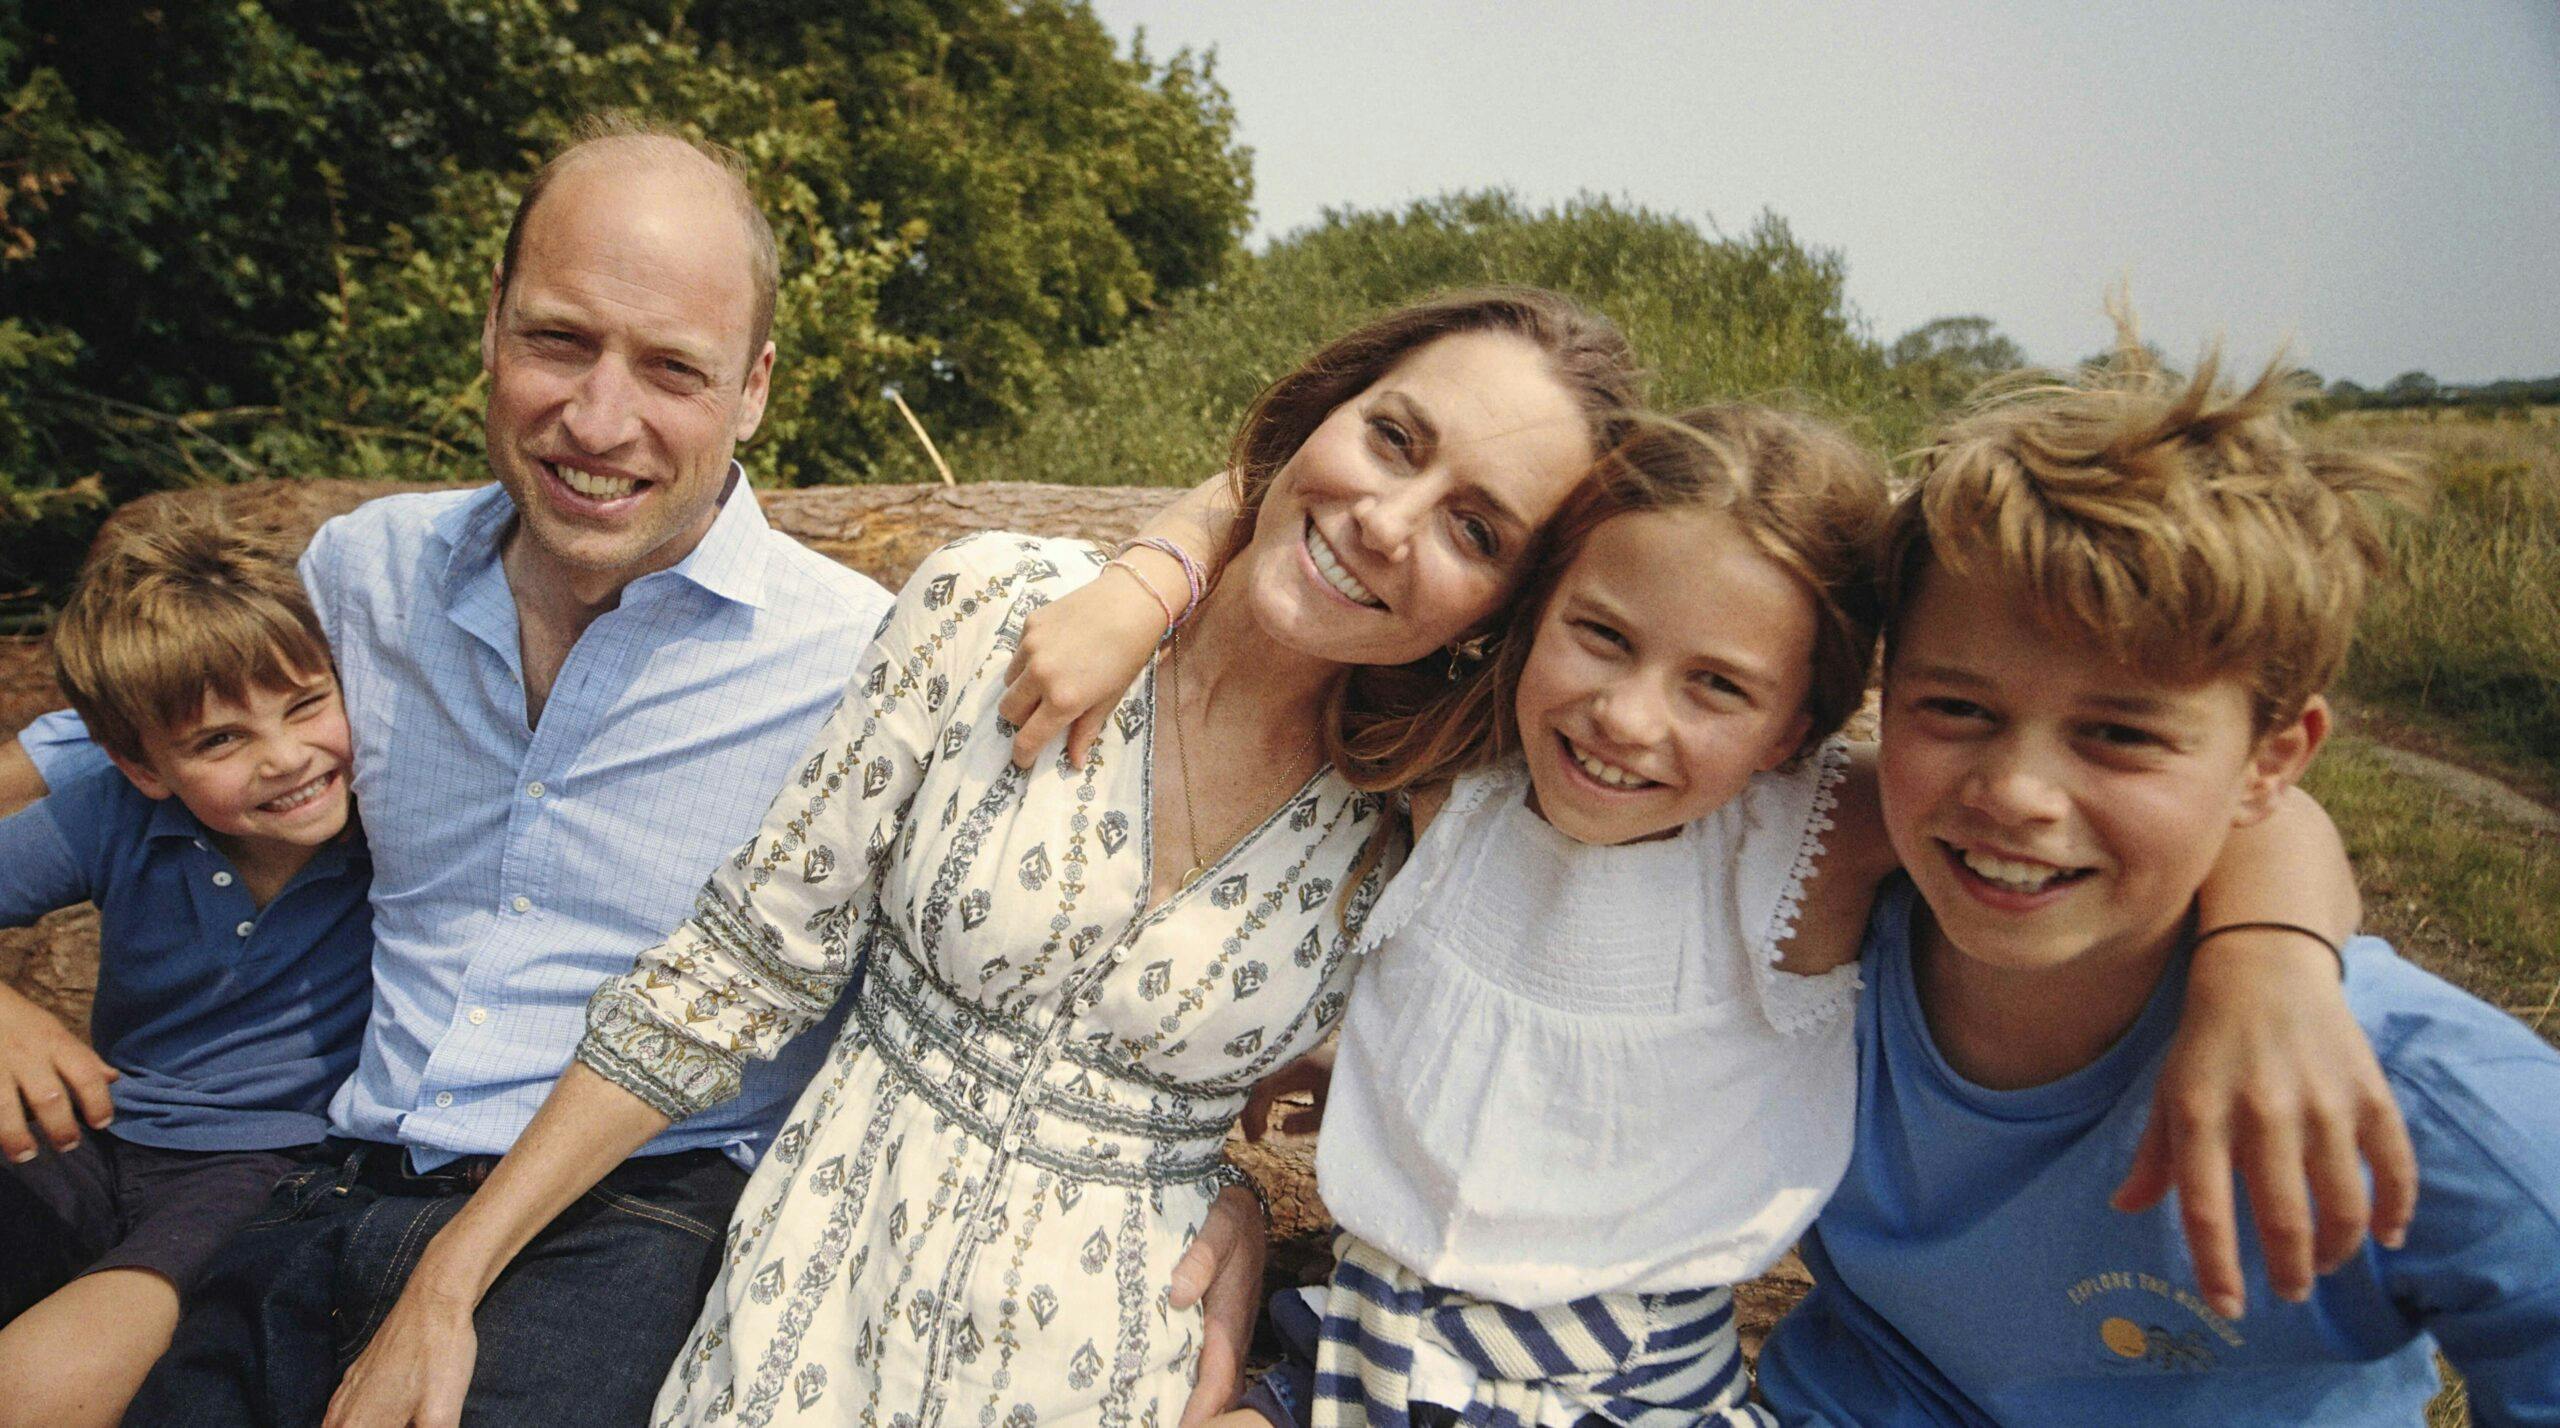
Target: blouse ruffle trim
x,y
1428,858
1796,1005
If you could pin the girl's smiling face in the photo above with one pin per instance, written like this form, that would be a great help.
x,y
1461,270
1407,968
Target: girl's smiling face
x,y
1405,518
1671,664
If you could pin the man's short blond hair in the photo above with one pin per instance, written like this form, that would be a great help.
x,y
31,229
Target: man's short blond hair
x,y
175,606
2183,527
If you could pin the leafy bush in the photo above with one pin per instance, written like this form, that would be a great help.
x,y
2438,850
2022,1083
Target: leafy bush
x,y
254,238
1759,315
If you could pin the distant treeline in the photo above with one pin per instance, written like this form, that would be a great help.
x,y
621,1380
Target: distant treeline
x,y
2417,390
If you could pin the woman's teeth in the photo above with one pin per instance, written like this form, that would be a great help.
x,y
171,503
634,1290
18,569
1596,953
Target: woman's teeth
x,y
593,486
300,796
1609,774
1334,575
2012,875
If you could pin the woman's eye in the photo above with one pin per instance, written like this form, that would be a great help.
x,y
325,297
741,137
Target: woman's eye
x,y
1391,435
1480,536
1600,634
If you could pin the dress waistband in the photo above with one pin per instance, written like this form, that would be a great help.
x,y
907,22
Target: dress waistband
x,y
1017,1086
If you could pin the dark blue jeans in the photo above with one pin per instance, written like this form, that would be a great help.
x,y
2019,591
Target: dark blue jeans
x,y
578,1330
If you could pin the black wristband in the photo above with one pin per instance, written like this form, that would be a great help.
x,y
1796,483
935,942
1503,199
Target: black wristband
x,y
2334,949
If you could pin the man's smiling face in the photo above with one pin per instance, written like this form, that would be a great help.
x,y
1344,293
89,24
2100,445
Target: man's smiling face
x,y
620,375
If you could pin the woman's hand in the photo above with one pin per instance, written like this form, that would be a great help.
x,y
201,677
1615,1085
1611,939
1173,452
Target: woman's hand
x,y
1222,1273
49,1078
1080,652
2269,1071
418,1366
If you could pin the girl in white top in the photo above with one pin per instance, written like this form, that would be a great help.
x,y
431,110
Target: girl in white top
x,y
1595,1073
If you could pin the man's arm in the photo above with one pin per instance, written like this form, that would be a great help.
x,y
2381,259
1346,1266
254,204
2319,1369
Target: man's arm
x,y
51,1083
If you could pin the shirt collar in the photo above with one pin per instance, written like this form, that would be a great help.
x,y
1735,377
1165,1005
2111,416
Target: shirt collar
x,y
729,562
171,818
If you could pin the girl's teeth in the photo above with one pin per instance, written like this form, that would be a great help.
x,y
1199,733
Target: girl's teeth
x,y
2015,876
600,488
1337,577
1609,774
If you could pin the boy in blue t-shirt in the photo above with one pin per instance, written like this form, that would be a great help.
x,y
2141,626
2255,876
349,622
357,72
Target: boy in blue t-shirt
x,y
2112,606
234,951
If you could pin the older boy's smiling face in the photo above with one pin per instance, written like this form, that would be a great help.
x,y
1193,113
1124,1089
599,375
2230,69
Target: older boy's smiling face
x,y
2055,807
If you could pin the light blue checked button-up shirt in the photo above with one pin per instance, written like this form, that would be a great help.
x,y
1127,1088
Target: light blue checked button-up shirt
x,y
516,868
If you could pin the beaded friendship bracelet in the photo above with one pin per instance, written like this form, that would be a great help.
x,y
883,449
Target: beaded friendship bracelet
x,y
1193,580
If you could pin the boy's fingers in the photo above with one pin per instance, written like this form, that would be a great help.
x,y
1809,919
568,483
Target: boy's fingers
x,y
2202,1153
2341,1203
2280,1201
88,1080
2148,1181
15,1142
50,1107
2384,1140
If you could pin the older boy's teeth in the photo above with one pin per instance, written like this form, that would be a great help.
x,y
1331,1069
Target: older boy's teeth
x,y
1610,774
595,487
2015,876
1334,575
298,797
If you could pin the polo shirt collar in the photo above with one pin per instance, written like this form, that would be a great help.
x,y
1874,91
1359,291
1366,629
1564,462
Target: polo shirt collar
x,y
172,819
728,563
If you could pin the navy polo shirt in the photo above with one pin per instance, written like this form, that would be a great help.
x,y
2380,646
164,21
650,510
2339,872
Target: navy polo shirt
x,y
232,1023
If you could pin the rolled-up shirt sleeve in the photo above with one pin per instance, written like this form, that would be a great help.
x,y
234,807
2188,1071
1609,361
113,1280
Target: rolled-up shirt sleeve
x,y
777,931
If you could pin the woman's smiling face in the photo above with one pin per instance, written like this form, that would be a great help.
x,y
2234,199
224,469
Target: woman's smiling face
x,y
1405,519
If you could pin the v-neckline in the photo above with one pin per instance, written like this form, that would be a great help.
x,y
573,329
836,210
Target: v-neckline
x,y
1151,910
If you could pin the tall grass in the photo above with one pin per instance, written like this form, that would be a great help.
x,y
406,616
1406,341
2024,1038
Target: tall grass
x,y
1756,315
2468,635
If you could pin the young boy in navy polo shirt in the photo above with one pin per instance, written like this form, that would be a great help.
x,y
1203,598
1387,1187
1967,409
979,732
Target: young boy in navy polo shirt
x,y
2112,606
234,952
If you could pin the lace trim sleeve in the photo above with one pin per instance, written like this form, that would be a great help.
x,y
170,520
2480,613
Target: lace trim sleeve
x,y
1799,1004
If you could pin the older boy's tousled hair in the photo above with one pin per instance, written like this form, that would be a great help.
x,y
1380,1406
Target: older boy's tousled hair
x,y
2180,526
175,606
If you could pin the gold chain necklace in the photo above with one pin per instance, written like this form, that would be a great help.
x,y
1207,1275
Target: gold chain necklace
x,y
1182,774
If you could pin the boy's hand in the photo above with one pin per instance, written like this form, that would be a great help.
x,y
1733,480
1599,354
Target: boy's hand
x,y
48,1077
1222,1273
2270,1073
1311,1074
1078,656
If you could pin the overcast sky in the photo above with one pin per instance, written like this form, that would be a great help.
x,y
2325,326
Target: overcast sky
x,y
2378,181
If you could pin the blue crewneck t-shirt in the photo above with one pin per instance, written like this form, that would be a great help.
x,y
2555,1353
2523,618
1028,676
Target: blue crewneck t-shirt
x,y
1970,1271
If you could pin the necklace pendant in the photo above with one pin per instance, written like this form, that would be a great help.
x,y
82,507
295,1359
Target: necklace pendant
x,y
1192,874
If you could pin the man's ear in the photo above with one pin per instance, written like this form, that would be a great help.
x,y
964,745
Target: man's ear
x,y
2279,759
152,785
489,320
759,386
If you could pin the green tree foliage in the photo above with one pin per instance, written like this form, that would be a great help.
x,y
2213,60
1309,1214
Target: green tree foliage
x,y
254,238
1941,361
1758,315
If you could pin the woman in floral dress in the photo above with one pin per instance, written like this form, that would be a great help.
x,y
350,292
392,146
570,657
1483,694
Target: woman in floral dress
x,y
1075,974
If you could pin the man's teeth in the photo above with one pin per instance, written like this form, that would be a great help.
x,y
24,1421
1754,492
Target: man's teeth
x,y
1337,577
2015,876
1610,774
593,486
299,796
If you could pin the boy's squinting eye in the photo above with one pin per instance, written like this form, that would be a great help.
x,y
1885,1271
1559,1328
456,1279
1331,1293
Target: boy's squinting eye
x,y
1948,706
2125,736
1721,685
1600,634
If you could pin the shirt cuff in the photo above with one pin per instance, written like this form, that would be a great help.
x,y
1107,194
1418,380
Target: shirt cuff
x,y
628,1044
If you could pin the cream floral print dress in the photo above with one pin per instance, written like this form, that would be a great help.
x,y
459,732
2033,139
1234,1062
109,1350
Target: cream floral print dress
x,y
973,1214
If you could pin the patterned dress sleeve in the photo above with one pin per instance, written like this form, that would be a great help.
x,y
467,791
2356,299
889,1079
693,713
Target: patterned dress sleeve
x,y
777,929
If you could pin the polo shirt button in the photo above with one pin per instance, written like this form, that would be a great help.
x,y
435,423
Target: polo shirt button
x,y
443,1099
522,904
222,880
479,1015
244,929
534,789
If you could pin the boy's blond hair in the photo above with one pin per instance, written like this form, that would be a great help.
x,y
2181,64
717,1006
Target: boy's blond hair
x,y
175,606
2180,526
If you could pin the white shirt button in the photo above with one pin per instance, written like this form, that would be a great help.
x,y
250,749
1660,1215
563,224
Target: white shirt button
x,y
443,1099
222,880
479,1015
534,789
522,904
244,929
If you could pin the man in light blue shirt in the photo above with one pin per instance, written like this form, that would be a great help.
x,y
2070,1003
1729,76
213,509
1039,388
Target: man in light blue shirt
x,y
572,693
